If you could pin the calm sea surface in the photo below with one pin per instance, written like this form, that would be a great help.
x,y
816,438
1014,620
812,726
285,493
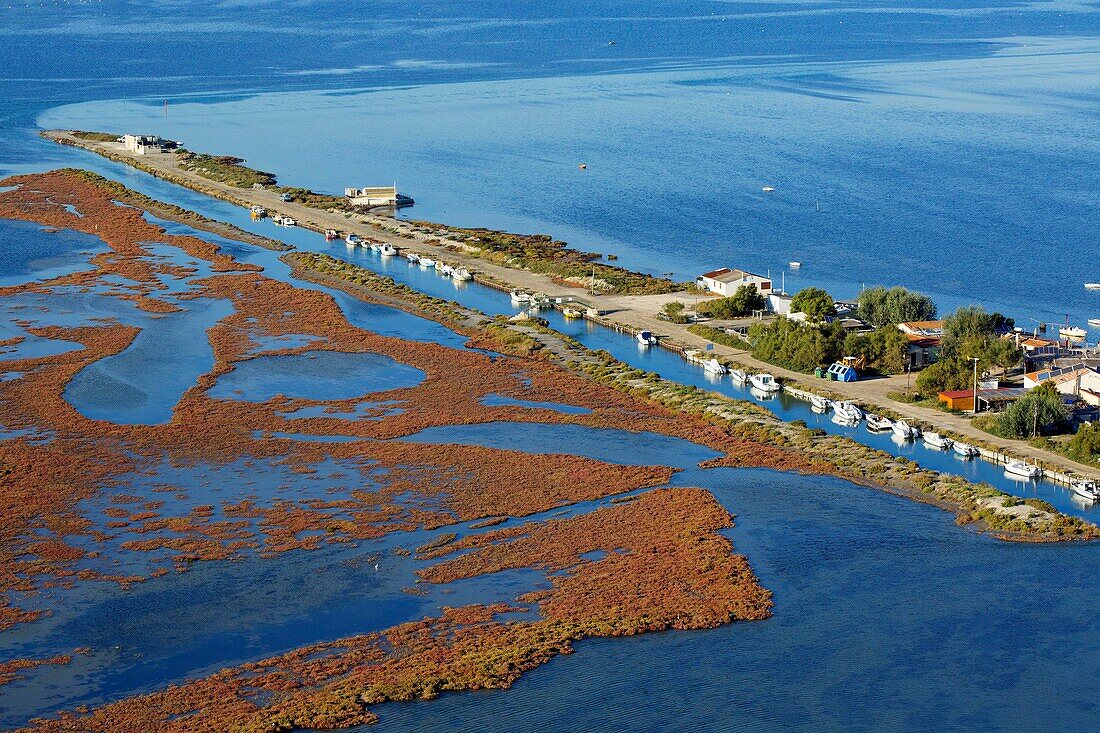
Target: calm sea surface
x,y
951,147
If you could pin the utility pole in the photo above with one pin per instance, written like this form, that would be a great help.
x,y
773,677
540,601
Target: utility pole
x,y
975,360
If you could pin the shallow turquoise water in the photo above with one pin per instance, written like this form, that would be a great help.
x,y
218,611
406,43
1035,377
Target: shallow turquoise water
x,y
316,375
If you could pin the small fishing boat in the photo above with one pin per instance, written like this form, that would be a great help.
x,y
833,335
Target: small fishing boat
x,y
767,189
375,246
412,257
288,222
444,270
965,449
848,410
820,403
387,250
764,382
331,234
462,274
938,441
353,239
257,212
646,338
1025,470
1092,286
570,312
427,262
879,424
1094,322
1074,333
520,297
794,264
713,366
739,375
904,430
584,166
1086,490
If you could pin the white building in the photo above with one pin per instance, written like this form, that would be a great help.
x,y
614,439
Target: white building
x,y
144,144
377,196
726,281
1080,382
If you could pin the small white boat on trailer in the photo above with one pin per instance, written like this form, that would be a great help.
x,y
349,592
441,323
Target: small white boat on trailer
x,y
879,424
820,403
646,338
1024,470
965,449
462,274
764,382
713,366
938,441
1086,490
388,250
848,410
904,430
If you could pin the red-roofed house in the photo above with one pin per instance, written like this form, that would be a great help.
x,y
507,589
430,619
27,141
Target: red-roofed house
x,y
726,281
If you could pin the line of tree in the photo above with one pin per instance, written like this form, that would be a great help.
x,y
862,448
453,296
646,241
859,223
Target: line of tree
x,y
880,306
743,302
1041,411
969,333
804,347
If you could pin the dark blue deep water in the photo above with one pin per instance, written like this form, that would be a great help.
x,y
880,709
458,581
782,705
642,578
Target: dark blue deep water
x,y
951,147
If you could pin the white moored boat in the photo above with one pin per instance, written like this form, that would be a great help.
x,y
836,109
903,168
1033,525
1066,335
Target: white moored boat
x,y
848,410
427,262
739,376
1019,468
1072,332
520,297
878,423
645,338
904,430
353,239
713,366
938,441
764,382
571,312
844,419
288,222
1086,490
376,246
445,270
965,449
412,257
462,274
388,250
1092,286
820,403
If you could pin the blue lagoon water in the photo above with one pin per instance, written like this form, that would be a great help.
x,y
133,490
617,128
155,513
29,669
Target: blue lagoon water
x,y
946,147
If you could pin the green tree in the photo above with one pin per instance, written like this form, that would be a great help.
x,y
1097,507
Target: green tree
x,y
969,323
881,307
675,311
815,303
800,347
1085,445
743,302
885,349
1039,411
946,375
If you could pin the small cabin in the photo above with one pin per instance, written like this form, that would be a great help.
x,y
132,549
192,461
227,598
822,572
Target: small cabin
x,y
840,372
